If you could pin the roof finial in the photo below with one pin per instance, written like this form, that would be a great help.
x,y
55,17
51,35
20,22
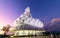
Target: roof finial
x,y
27,9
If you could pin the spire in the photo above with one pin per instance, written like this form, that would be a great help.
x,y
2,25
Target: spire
x,y
27,10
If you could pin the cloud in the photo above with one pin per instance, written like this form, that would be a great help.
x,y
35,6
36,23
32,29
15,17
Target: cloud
x,y
54,25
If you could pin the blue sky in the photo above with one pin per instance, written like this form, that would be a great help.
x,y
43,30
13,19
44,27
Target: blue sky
x,y
45,10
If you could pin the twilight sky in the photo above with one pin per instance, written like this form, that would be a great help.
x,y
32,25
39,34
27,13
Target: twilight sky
x,y
45,10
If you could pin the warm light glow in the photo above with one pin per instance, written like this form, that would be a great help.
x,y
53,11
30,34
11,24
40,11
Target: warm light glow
x,y
1,25
4,22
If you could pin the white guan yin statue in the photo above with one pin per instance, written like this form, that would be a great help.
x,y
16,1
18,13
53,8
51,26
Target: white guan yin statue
x,y
27,22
